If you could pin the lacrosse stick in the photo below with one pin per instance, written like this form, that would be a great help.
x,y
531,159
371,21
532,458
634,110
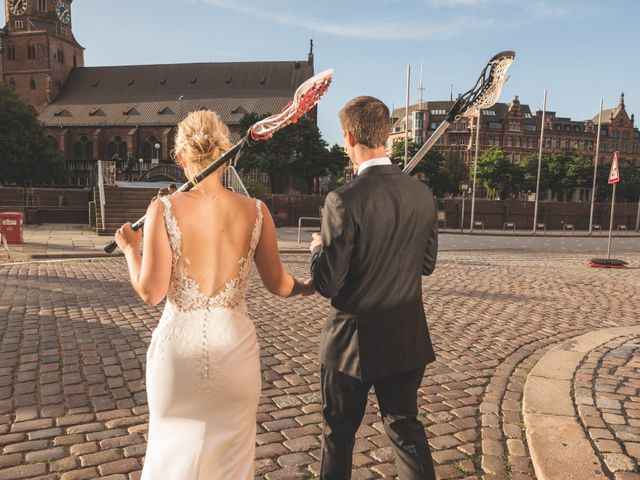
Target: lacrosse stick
x,y
484,94
306,96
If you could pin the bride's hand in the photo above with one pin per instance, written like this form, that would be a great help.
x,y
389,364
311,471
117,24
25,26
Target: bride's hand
x,y
307,288
302,288
127,238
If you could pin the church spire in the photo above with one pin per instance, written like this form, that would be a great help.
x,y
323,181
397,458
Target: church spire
x,y
621,100
310,59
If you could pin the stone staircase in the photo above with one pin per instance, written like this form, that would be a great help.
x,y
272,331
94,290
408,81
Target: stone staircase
x,y
121,205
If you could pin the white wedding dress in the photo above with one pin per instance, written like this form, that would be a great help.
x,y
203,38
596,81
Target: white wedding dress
x,y
203,375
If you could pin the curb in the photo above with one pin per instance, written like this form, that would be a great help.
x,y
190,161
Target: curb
x,y
557,441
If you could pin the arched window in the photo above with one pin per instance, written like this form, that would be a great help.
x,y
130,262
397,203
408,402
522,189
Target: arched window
x,y
32,83
83,148
149,149
11,52
117,149
54,143
31,51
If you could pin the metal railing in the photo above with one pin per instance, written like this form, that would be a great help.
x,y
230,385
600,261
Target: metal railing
x,y
233,182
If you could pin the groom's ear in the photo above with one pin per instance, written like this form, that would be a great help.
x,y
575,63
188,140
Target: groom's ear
x,y
350,139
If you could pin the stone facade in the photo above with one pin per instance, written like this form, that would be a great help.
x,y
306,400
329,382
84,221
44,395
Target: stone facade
x,y
516,129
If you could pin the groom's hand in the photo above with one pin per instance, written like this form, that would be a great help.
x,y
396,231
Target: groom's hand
x,y
317,241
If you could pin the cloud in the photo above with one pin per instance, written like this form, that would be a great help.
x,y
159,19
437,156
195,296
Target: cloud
x,y
382,29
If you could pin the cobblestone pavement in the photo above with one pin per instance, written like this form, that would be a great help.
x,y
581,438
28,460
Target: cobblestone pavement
x,y
73,339
607,392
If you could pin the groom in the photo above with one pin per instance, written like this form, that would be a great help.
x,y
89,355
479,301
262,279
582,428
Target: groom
x,y
379,236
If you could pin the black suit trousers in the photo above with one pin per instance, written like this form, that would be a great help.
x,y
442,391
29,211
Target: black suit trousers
x,y
344,403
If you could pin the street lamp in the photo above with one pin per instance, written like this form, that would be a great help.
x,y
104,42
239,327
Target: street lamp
x,y
157,147
141,161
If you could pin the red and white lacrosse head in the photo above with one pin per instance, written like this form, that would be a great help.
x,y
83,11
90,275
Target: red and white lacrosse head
x,y
307,95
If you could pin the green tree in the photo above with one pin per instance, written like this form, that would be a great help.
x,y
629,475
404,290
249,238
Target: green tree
x,y
312,158
498,174
430,169
298,149
25,150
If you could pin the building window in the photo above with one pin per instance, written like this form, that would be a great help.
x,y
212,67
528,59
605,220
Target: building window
x,y
514,126
12,83
83,148
489,113
63,30
31,52
11,53
437,112
117,149
32,84
433,125
75,59
149,150
623,148
495,125
60,55
19,24
530,128
42,5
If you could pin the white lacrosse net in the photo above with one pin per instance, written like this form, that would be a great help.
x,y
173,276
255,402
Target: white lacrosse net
x,y
307,95
490,91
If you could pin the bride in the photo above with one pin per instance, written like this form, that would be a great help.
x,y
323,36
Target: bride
x,y
203,367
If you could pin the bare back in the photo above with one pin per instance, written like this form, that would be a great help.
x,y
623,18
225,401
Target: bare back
x,y
217,239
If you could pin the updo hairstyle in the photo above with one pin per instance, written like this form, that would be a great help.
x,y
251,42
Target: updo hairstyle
x,y
202,138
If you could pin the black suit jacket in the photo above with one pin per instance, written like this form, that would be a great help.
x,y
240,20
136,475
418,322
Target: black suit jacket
x,y
379,236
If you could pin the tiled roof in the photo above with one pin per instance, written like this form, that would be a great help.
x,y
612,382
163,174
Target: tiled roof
x,y
150,94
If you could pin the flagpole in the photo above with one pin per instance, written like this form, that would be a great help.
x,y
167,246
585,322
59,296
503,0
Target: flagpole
x,y
406,118
535,208
475,172
613,204
595,169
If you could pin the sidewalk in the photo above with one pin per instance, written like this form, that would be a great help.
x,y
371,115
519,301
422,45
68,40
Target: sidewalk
x,y
60,241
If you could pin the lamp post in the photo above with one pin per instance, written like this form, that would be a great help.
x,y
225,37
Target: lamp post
x,y
157,147
140,161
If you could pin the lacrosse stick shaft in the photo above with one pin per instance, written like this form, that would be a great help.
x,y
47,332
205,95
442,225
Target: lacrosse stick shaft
x,y
431,141
227,156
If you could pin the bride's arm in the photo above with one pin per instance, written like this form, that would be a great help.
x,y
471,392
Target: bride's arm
x,y
273,275
151,272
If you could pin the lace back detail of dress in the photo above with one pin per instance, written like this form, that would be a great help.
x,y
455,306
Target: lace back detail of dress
x,y
184,291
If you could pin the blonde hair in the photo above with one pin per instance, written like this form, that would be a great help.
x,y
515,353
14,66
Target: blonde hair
x,y
202,138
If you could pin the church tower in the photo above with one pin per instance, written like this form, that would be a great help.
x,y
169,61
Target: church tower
x,y
38,49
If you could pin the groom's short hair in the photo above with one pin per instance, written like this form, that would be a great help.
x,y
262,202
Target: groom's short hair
x,y
367,119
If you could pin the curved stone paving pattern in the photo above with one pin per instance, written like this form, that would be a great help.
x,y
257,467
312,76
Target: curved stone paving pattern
x,y
73,339
607,395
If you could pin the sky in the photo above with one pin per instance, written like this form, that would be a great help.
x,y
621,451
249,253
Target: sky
x,y
579,50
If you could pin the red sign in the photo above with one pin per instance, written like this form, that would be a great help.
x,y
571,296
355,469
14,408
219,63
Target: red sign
x,y
614,174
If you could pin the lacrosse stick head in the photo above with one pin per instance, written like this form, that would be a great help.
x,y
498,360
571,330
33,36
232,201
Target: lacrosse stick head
x,y
307,95
487,89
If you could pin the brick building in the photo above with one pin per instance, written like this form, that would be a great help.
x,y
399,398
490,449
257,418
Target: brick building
x,y
516,129
125,113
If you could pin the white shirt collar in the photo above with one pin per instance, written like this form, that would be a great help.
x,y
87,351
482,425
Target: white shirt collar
x,y
373,162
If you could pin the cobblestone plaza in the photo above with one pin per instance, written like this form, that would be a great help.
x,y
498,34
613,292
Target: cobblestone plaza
x,y
514,337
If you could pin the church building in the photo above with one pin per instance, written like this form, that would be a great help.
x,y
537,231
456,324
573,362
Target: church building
x,y
126,114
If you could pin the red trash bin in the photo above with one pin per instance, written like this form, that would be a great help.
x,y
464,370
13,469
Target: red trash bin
x,y
11,226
